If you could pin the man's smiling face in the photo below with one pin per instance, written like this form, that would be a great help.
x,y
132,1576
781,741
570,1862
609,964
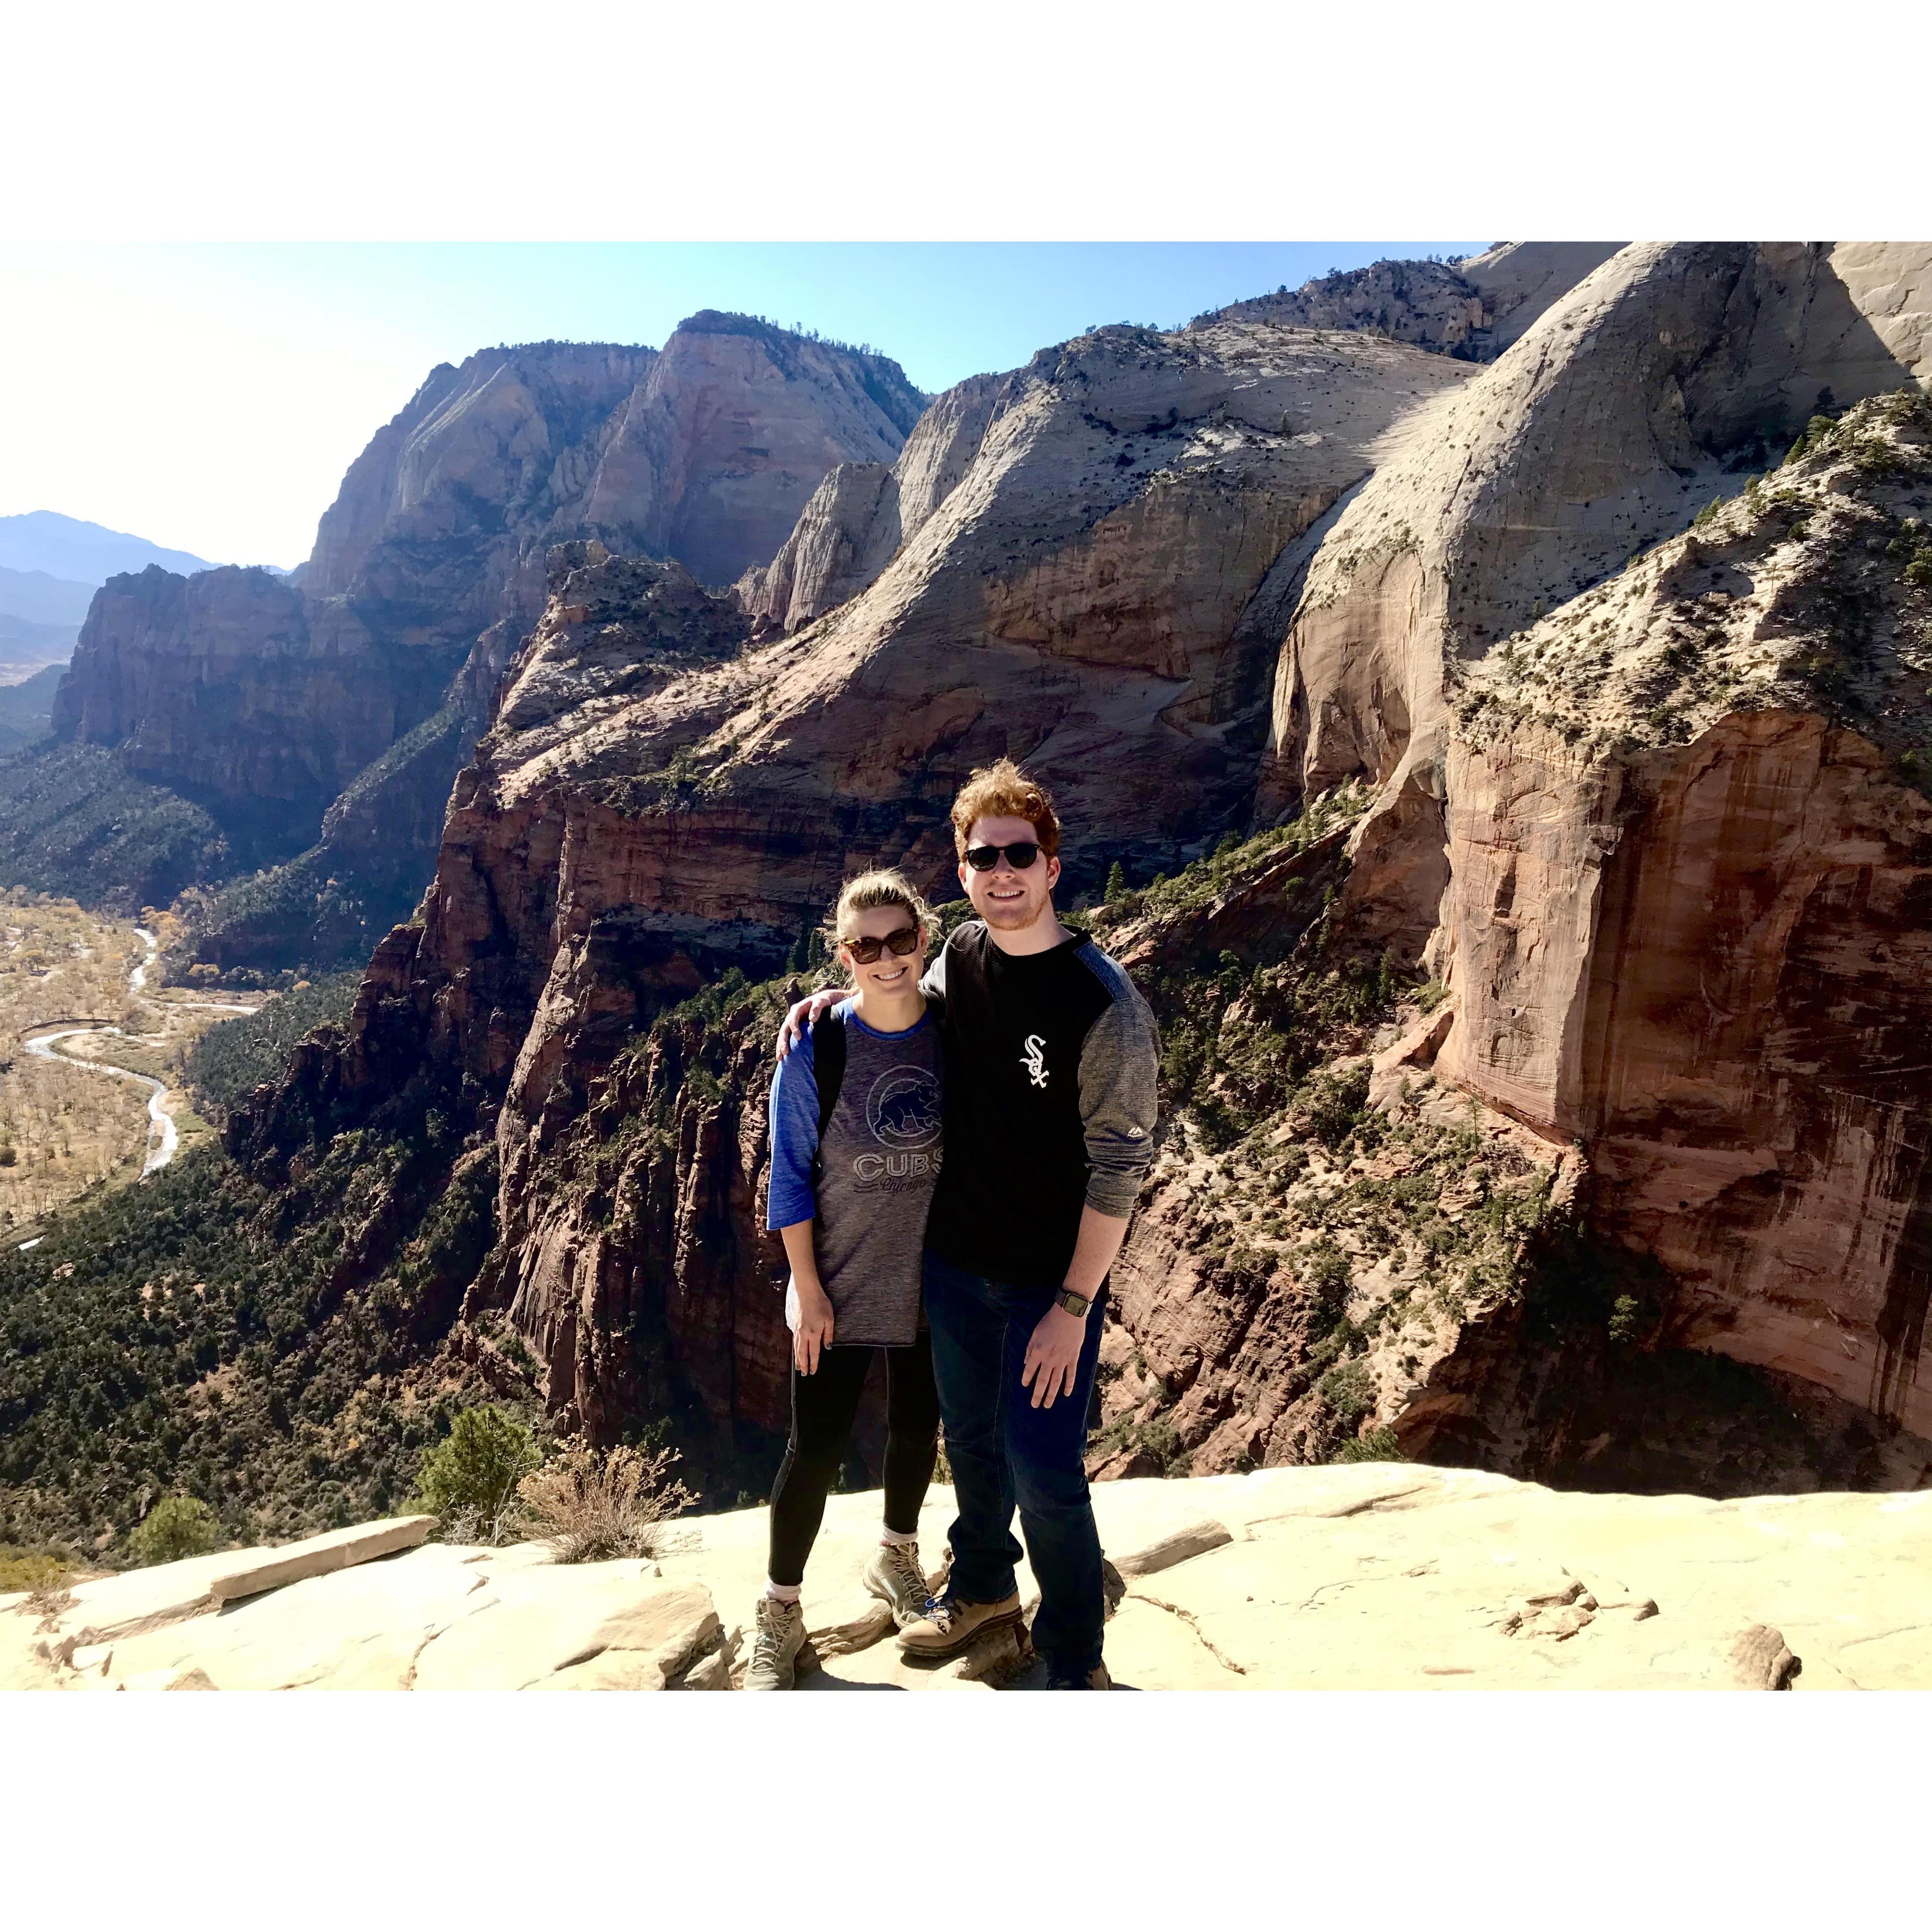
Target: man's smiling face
x,y
1007,899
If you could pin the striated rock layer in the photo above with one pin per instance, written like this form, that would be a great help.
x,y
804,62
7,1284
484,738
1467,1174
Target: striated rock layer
x,y
1690,918
1671,860
1653,384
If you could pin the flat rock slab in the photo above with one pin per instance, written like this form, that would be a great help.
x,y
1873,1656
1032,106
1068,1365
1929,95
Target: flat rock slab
x,y
586,1627
114,1607
340,1548
1176,1546
1364,1576
360,1629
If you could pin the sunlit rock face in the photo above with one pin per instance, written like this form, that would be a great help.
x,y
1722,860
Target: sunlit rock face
x,y
270,701
1651,793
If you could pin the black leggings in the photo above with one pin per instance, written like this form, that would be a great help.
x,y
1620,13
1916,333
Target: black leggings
x,y
823,1407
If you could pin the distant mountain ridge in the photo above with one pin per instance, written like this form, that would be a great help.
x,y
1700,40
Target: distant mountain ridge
x,y
82,552
22,642
36,597
320,717
50,567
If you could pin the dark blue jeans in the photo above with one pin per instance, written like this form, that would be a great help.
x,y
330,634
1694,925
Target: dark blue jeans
x,y
1004,1451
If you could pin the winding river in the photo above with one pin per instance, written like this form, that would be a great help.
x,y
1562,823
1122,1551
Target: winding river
x,y
163,1139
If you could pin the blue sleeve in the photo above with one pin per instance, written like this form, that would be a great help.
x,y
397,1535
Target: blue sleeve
x,y
794,1137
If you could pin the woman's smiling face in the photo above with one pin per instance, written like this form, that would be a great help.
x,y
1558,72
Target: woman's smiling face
x,y
892,973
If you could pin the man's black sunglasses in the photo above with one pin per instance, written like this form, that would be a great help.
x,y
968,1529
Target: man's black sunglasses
x,y
1019,855
866,950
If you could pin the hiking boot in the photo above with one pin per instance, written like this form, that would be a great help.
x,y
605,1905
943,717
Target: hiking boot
x,y
774,1654
1096,1679
894,1574
949,1625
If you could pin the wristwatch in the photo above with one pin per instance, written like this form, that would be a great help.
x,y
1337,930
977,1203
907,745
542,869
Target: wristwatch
x,y
1074,1304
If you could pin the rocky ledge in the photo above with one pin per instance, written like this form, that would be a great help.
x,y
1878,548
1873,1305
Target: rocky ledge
x,y
1368,1576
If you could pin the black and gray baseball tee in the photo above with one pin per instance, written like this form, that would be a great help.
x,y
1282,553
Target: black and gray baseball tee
x,y
1052,1060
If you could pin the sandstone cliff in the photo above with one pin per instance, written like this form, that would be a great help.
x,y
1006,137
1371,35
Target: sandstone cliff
x,y
231,691
863,514
1670,864
1657,893
1691,869
611,851
1620,413
238,690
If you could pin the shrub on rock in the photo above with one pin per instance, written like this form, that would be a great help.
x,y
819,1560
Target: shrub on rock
x,y
469,1480
176,1527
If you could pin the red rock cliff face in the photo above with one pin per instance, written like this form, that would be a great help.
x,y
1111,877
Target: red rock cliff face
x,y
1719,986
620,840
231,689
1659,842
1705,960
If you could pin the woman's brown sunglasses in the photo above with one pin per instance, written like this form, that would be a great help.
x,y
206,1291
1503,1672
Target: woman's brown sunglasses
x,y
867,950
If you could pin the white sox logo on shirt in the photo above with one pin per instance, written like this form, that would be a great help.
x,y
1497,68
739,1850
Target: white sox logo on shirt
x,y
1034,1055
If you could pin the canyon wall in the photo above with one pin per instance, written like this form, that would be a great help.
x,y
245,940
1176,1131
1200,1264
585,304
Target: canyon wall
x,y
1655,384
1652,810
237,689
620,841
1602,1001
1688,925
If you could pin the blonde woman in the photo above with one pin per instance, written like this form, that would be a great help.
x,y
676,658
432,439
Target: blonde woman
x,y
856,1146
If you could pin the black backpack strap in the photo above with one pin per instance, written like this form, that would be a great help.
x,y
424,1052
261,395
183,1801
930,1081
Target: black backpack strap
x,y
828,1062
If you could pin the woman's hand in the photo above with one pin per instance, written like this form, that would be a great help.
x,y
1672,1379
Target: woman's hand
x,y
808,1012
814,1326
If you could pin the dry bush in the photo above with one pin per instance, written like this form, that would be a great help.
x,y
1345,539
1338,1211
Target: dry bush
x,y
589,1505
47,1605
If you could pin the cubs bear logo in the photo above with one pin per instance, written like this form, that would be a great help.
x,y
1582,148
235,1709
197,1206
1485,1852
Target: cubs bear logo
x,y
902,1109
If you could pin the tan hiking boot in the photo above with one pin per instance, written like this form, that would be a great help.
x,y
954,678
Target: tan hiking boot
x,y
774,1654
949,1624
894,1574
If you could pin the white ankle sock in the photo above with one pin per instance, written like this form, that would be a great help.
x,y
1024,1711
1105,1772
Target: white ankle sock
x,y
784,1593
899,1539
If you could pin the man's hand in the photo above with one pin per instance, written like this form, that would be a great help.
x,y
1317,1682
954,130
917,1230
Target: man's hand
x,y
808,1012
1053,1355
814,1326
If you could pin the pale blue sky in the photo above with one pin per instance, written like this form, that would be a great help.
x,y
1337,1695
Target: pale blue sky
x,y
209,396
